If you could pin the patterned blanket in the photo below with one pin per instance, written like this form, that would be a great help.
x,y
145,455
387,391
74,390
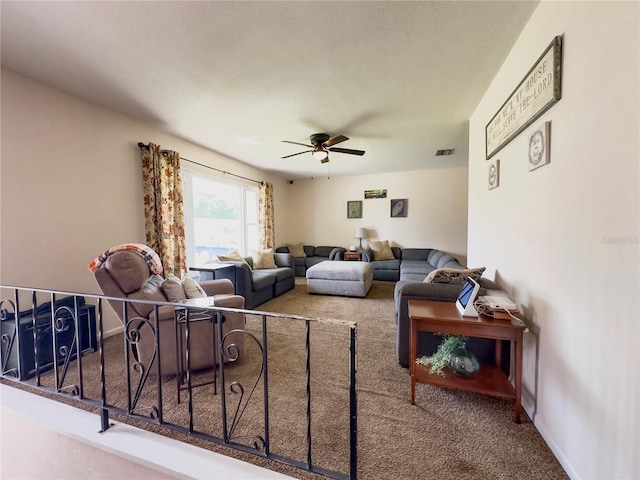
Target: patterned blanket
x,y
146,252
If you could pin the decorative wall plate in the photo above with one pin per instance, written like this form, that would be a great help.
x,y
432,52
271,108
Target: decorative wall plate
x,y
538,153
493,174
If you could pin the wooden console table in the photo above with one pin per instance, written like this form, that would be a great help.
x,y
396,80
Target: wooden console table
x,y
443,317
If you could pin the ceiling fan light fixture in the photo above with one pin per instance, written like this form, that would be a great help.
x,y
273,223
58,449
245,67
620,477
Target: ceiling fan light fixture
x,y
320,153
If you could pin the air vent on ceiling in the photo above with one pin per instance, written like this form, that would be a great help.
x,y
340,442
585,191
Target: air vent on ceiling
x,y
446,151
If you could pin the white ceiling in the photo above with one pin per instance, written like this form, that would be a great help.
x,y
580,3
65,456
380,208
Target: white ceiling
x,y
400,79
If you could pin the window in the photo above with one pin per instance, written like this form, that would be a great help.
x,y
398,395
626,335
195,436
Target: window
x,y
219,216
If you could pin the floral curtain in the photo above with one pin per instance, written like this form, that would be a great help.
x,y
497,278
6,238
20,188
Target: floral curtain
x,y
265,215
164,207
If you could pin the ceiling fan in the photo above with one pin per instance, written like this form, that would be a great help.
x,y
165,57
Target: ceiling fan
x,y
322,144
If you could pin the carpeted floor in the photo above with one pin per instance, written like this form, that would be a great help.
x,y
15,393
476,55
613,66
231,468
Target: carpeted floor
x,y
447,434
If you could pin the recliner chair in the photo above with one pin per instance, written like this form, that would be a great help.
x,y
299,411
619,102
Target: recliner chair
x,y
126,274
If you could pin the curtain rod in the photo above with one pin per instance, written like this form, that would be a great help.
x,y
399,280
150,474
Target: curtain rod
x,y
261,182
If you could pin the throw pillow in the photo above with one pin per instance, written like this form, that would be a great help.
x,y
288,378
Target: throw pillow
x,y
263,259
454,276
173,289
192,288
296,250
233,256
381,250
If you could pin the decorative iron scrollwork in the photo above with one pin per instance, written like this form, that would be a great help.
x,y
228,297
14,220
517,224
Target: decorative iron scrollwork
x,y
231,353
141,366
7,339
64,319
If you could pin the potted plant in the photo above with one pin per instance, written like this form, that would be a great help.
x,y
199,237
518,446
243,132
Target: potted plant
x,y
453,353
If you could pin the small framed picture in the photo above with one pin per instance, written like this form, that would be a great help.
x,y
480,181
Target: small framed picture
x,y
377,193
539,153
493,174
354,209
399,207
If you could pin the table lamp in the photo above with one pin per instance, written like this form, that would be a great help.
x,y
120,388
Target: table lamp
x,y
360,234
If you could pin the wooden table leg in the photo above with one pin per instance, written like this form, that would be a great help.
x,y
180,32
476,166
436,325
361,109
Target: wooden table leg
x,y
412,359
518,375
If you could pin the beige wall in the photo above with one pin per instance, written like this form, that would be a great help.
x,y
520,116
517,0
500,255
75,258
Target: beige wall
x,y
563,239
437,213
71,185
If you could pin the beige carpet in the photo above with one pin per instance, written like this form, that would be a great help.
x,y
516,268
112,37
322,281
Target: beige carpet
x,y
447,434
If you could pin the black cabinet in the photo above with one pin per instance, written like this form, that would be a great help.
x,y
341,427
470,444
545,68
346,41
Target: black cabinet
x,y
18,352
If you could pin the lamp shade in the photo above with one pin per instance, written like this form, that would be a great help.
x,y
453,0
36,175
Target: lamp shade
x,y
361,233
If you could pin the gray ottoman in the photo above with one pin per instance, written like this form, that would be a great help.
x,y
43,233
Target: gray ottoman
x,y
348,279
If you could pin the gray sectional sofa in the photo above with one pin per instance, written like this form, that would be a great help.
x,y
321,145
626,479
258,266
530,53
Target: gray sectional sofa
x,y
314,255
258,286
409,263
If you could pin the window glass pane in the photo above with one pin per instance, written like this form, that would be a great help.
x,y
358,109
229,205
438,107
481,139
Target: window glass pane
x,y
217,225
219,216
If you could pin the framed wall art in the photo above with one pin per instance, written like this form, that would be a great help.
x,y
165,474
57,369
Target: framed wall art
x,y
354,209
538,146
399,207
538,91
378,193
493,174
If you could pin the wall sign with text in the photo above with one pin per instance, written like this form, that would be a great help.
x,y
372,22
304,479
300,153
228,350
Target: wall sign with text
x,y
535,94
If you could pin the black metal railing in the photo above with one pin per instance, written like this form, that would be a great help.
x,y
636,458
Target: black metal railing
x,y
55,341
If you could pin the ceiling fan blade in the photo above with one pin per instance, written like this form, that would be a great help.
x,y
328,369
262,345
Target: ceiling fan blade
x,y
335,140
296,143
299,153
346,150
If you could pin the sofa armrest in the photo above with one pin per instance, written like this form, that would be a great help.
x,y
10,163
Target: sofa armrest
x,y
367,255
223,286
229,301
284,260
337,253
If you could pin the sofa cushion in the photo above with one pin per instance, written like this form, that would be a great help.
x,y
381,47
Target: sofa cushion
x,y
262,279
387,264
381,250
151,291
263,259
434,256
455,276
192,288
421,254
173,289
416,266
282,273
296,250
447,261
